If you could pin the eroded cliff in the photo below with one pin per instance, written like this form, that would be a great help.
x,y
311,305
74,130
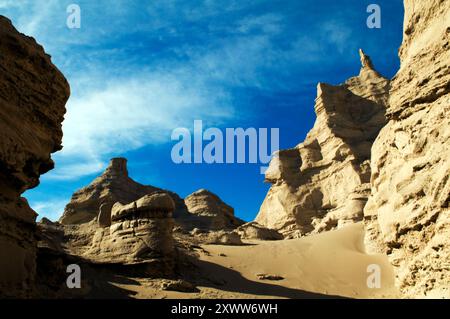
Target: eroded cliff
x,y
323,182
407,215
33,94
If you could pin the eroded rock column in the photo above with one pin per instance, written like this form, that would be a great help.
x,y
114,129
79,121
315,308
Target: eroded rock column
x,y
33,94
323,183
140,232
407,215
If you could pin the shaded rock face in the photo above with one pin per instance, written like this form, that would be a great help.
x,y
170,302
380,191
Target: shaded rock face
x,y
407,214
324,182
114,185
209,212
33,94
140,231
253,230
116,220
220,237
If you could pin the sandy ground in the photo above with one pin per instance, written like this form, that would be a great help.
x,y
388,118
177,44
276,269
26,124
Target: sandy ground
x,y
319,266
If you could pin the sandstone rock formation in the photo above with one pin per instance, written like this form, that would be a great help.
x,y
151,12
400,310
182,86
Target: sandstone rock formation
x,y
114,185
220,237
202,209
50,236
140,231
178,285
33,94
253,230
209,212
408,214
323,182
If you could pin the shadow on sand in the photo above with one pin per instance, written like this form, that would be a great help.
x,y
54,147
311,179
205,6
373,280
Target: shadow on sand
x,y
219,277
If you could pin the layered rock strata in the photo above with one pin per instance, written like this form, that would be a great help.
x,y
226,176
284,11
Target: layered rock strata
x,y
407,215
208,211
113,185
323,183
202,209
140,231
253,231
33,94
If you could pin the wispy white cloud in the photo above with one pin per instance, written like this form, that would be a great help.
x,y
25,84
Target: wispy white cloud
x,y
128,113
51,208
74,168
237,61
338,34
31,17
266,23
8,4
118,105
40,11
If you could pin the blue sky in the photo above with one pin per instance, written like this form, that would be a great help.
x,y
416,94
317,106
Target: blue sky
x,y
139,69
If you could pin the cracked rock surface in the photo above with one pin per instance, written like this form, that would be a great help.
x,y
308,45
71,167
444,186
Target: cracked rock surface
x,y
407,215
140,231
33,94
323,183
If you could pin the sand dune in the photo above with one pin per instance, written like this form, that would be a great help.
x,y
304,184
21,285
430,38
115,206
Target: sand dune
x,y
319,266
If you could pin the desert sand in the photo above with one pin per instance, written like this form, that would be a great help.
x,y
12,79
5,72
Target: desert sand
x,y
325,265
368,187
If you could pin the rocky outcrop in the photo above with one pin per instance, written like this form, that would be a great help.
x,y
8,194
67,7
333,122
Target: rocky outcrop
x,y
253,230
207,211
324,182
33,94
407,214
202,209
219,237
50,236
117,220
114,185
139,240
140,232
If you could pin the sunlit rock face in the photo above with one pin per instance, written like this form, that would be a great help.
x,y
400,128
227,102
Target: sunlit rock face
x,y
33,94
323,183
113,185
253,231
208,212
140,232
407,215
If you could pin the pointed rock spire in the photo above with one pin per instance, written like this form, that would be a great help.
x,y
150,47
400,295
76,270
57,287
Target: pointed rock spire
x,y
303,197
117,167
366,62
